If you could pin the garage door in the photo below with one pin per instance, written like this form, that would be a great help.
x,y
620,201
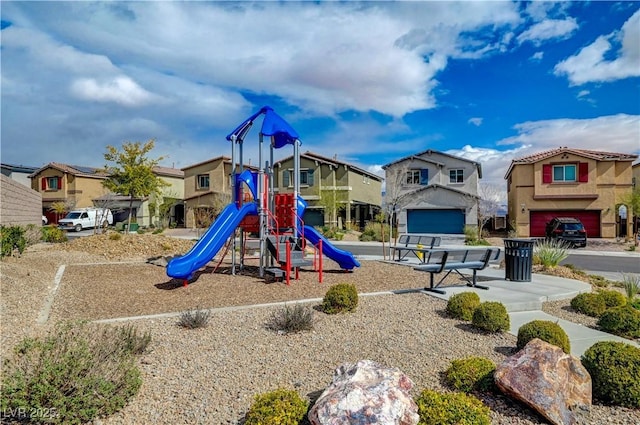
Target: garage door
x,y
435,221
590,220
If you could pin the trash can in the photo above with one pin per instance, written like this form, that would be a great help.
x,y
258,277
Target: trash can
x,y
518,258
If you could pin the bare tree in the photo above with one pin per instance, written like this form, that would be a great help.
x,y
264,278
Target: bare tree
x,y
395,179
488,205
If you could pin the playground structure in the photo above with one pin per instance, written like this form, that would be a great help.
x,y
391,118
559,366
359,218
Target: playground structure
x,y
256,208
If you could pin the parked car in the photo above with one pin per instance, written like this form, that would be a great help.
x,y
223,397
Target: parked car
x,y
567,229
86,218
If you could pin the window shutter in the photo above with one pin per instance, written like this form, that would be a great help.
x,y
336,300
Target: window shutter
x,y
285,178
583,172
44,183
59,183
546,173
310,177
424,176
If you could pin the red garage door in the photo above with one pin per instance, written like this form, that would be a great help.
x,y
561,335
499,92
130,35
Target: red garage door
x,y
539,219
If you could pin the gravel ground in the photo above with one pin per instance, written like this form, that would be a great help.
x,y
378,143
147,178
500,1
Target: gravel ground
x,y
210,375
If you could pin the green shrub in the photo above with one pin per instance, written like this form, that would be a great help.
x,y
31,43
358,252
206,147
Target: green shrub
x,y
612,298
470,234
471,373
134,343
282,407
631,285
599,281
550,252
53,234
291,319
435,408
491,316
462,305
589,303
635,304
77,373
115,236
373,232
340,298
194,319
615,372
545,330
623,321
12,239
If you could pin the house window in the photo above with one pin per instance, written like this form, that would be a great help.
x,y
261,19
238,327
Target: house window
x,y
564,173
203,181
456,176
306,178
418,176
365,179
52,183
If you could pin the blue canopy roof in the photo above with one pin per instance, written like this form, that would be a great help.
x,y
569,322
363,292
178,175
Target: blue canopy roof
x,y
272,125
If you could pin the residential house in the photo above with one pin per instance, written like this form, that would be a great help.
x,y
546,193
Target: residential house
x,y
80,187
568,182
433,192
337,193
207,190
19,173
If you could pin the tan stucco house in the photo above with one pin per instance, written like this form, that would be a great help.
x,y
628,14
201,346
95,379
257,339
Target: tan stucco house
x,y
433,192
207,189
81,187
337,193
569,182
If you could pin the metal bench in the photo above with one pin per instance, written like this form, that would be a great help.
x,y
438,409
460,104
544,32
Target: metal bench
x,y
454,260
414,244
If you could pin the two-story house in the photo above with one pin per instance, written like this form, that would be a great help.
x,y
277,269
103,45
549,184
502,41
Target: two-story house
x,y
337,193
433,192
568,182
80,187
207,189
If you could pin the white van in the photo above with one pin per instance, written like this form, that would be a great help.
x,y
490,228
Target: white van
x,y
85,218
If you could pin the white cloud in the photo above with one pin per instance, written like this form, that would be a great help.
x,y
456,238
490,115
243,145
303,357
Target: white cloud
x,y
590,64
537,56
583,93
475,121
121,90
549,29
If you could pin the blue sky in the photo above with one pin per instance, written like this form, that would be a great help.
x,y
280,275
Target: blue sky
x,y
370,82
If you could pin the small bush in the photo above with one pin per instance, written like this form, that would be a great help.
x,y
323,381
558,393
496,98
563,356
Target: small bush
x,y
612,298
435,408
291,319
614,368
373,232
462,305
340,298
635,303
599,281
115,236
77,373
631,285
623,321
283,407
491,316
53,234
193,319
471,373
134,343
12,240
550,252
589,303
545,330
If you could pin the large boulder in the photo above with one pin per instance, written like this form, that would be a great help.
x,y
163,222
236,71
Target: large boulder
x,y
365,393
551,382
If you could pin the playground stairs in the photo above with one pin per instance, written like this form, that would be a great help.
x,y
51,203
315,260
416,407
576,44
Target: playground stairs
x,y
277,246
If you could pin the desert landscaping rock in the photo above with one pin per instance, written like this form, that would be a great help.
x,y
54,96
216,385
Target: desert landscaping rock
x,y
210,375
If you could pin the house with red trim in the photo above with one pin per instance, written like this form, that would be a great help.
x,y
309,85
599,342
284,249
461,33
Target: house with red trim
x,y
569,182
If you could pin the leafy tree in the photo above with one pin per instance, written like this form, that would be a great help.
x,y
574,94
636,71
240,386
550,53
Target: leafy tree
x,y
333,201
60,208
132,171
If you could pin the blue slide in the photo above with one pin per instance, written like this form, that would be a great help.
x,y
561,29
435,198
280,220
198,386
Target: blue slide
x,y
345,259
210,243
